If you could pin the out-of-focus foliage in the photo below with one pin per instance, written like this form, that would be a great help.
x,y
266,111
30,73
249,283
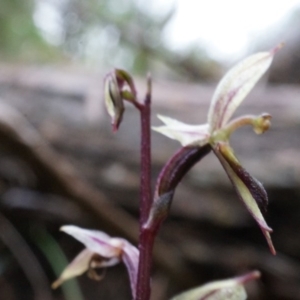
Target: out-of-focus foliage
x,y
102,34
286,68
20,38
126,34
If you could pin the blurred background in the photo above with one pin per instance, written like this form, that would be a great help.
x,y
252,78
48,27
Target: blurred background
x,y
61,164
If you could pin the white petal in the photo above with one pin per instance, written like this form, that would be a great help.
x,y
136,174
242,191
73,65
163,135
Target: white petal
x,y
78,266
236,85
130,258
96,241
230,289
186,134
170,122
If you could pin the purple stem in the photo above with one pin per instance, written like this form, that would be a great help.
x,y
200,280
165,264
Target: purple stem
x,y
145,183
146,247
146,237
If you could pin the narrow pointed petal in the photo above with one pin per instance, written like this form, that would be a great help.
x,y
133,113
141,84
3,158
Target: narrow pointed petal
x,y
255,187
236,85
96,241
229,289
77,267
170,176
184,133
247,198
177,167
130,258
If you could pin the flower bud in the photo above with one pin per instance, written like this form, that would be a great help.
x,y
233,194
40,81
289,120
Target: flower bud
x,y
113,99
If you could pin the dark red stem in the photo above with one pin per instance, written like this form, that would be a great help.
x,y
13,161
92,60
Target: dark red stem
x,y
146,247
145,183
146,237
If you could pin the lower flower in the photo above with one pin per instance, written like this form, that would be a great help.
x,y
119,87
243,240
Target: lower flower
x,y
101,251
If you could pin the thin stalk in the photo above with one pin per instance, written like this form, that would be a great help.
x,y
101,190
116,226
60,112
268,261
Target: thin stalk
x,y
145,183
146,237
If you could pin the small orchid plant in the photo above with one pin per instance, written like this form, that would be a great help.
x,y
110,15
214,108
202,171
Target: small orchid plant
x,y
197,141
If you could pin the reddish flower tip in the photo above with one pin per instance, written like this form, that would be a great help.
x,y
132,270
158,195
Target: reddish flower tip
x,y
277,48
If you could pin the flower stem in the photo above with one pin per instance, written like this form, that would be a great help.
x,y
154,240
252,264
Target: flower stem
x,y
146,247
146,237
145,183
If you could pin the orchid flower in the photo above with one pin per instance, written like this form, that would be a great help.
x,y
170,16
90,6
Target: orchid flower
x,y
215,134
101,251
229,289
